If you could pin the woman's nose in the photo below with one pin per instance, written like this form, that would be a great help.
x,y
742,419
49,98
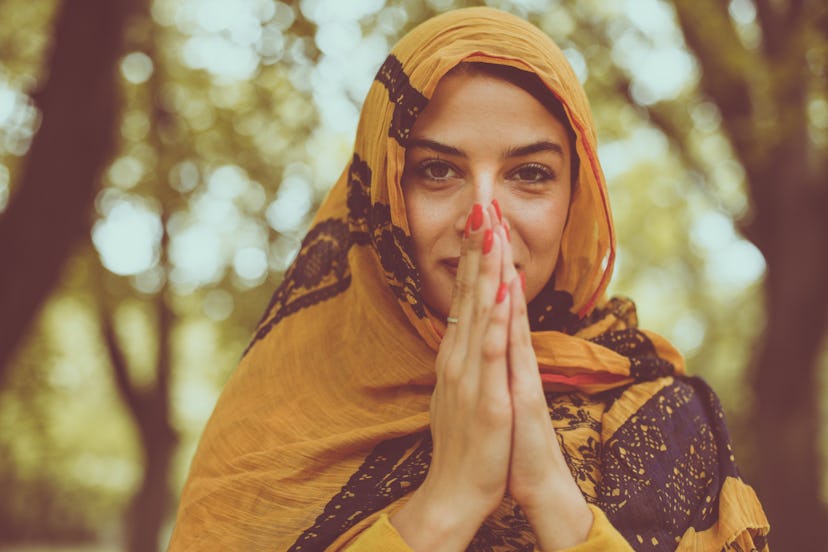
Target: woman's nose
x,y
481,190
483,186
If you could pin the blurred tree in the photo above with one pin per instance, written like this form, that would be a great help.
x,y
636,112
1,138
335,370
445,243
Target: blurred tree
x,y
50,211
765,93
149,406
148,399
209,139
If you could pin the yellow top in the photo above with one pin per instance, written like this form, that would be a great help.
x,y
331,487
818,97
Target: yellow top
x,y
382,537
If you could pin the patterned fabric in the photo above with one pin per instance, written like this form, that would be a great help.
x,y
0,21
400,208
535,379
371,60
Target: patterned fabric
x,y
323,428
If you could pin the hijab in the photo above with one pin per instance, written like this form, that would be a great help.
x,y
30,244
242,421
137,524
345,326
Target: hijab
x,y
324,424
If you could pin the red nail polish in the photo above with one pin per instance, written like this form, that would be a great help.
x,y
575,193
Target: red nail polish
x,y
497,210
476,216
488,239
468,226
523,281
508,233
501,292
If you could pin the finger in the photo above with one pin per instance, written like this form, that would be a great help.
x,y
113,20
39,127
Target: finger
x,y
524,377
487,296
451,356
494,346
509,270
477,309
495,213
473,231
462,302
524,374
533,426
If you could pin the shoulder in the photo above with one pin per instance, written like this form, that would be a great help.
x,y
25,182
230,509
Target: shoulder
x,y
666,455
678,407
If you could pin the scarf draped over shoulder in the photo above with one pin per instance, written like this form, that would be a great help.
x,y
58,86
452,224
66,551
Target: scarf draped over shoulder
x,y
324,425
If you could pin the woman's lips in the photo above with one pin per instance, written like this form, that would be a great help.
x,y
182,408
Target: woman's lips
x,y
451,264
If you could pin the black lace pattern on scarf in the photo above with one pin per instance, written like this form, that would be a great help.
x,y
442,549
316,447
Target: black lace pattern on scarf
x,y
663,470
394,468
645,364
371,223
551,310
658,475
507,530
408,101
319,272
571,415
321,269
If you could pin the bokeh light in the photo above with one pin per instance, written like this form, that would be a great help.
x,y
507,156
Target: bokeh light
x,y
136,67
128,237
4,187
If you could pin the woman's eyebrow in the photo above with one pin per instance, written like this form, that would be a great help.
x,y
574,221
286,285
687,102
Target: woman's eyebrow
x,y
537,147
436,146
514,151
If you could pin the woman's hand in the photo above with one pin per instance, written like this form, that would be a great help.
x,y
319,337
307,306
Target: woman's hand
x,y
489,420
539,478
471,410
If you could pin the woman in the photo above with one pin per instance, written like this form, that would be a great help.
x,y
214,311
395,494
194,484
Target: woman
x,y
438,369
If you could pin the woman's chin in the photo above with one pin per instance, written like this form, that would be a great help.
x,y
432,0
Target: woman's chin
x,y
434,311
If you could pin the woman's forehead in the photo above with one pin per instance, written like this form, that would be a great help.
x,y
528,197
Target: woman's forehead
x,y
467,109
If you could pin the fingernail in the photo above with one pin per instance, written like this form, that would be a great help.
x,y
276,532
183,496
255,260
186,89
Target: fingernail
x,y
468,226
508,233
523,281
497,210
488,239
476,216
501,292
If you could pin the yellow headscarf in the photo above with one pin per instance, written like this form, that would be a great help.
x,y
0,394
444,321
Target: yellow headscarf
x,y
324,424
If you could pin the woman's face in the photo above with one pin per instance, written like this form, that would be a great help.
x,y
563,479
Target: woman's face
x,y
481,138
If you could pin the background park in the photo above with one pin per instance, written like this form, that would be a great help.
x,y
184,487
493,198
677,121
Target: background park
x,y
161,160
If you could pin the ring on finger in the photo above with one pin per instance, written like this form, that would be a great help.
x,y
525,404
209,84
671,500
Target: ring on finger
x,y
452,320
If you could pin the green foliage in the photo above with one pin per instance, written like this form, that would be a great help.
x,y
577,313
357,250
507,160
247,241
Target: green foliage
x,y
69,461
23,44
203,154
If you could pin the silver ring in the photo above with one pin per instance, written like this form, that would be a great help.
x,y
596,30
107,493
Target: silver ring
x,y
452,320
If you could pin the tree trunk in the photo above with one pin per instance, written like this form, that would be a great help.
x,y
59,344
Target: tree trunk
x,y
150,410
158,439
49,212
763,94
793,230
148,511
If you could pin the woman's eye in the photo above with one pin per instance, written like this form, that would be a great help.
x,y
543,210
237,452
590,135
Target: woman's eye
x,y
533,173
437,170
